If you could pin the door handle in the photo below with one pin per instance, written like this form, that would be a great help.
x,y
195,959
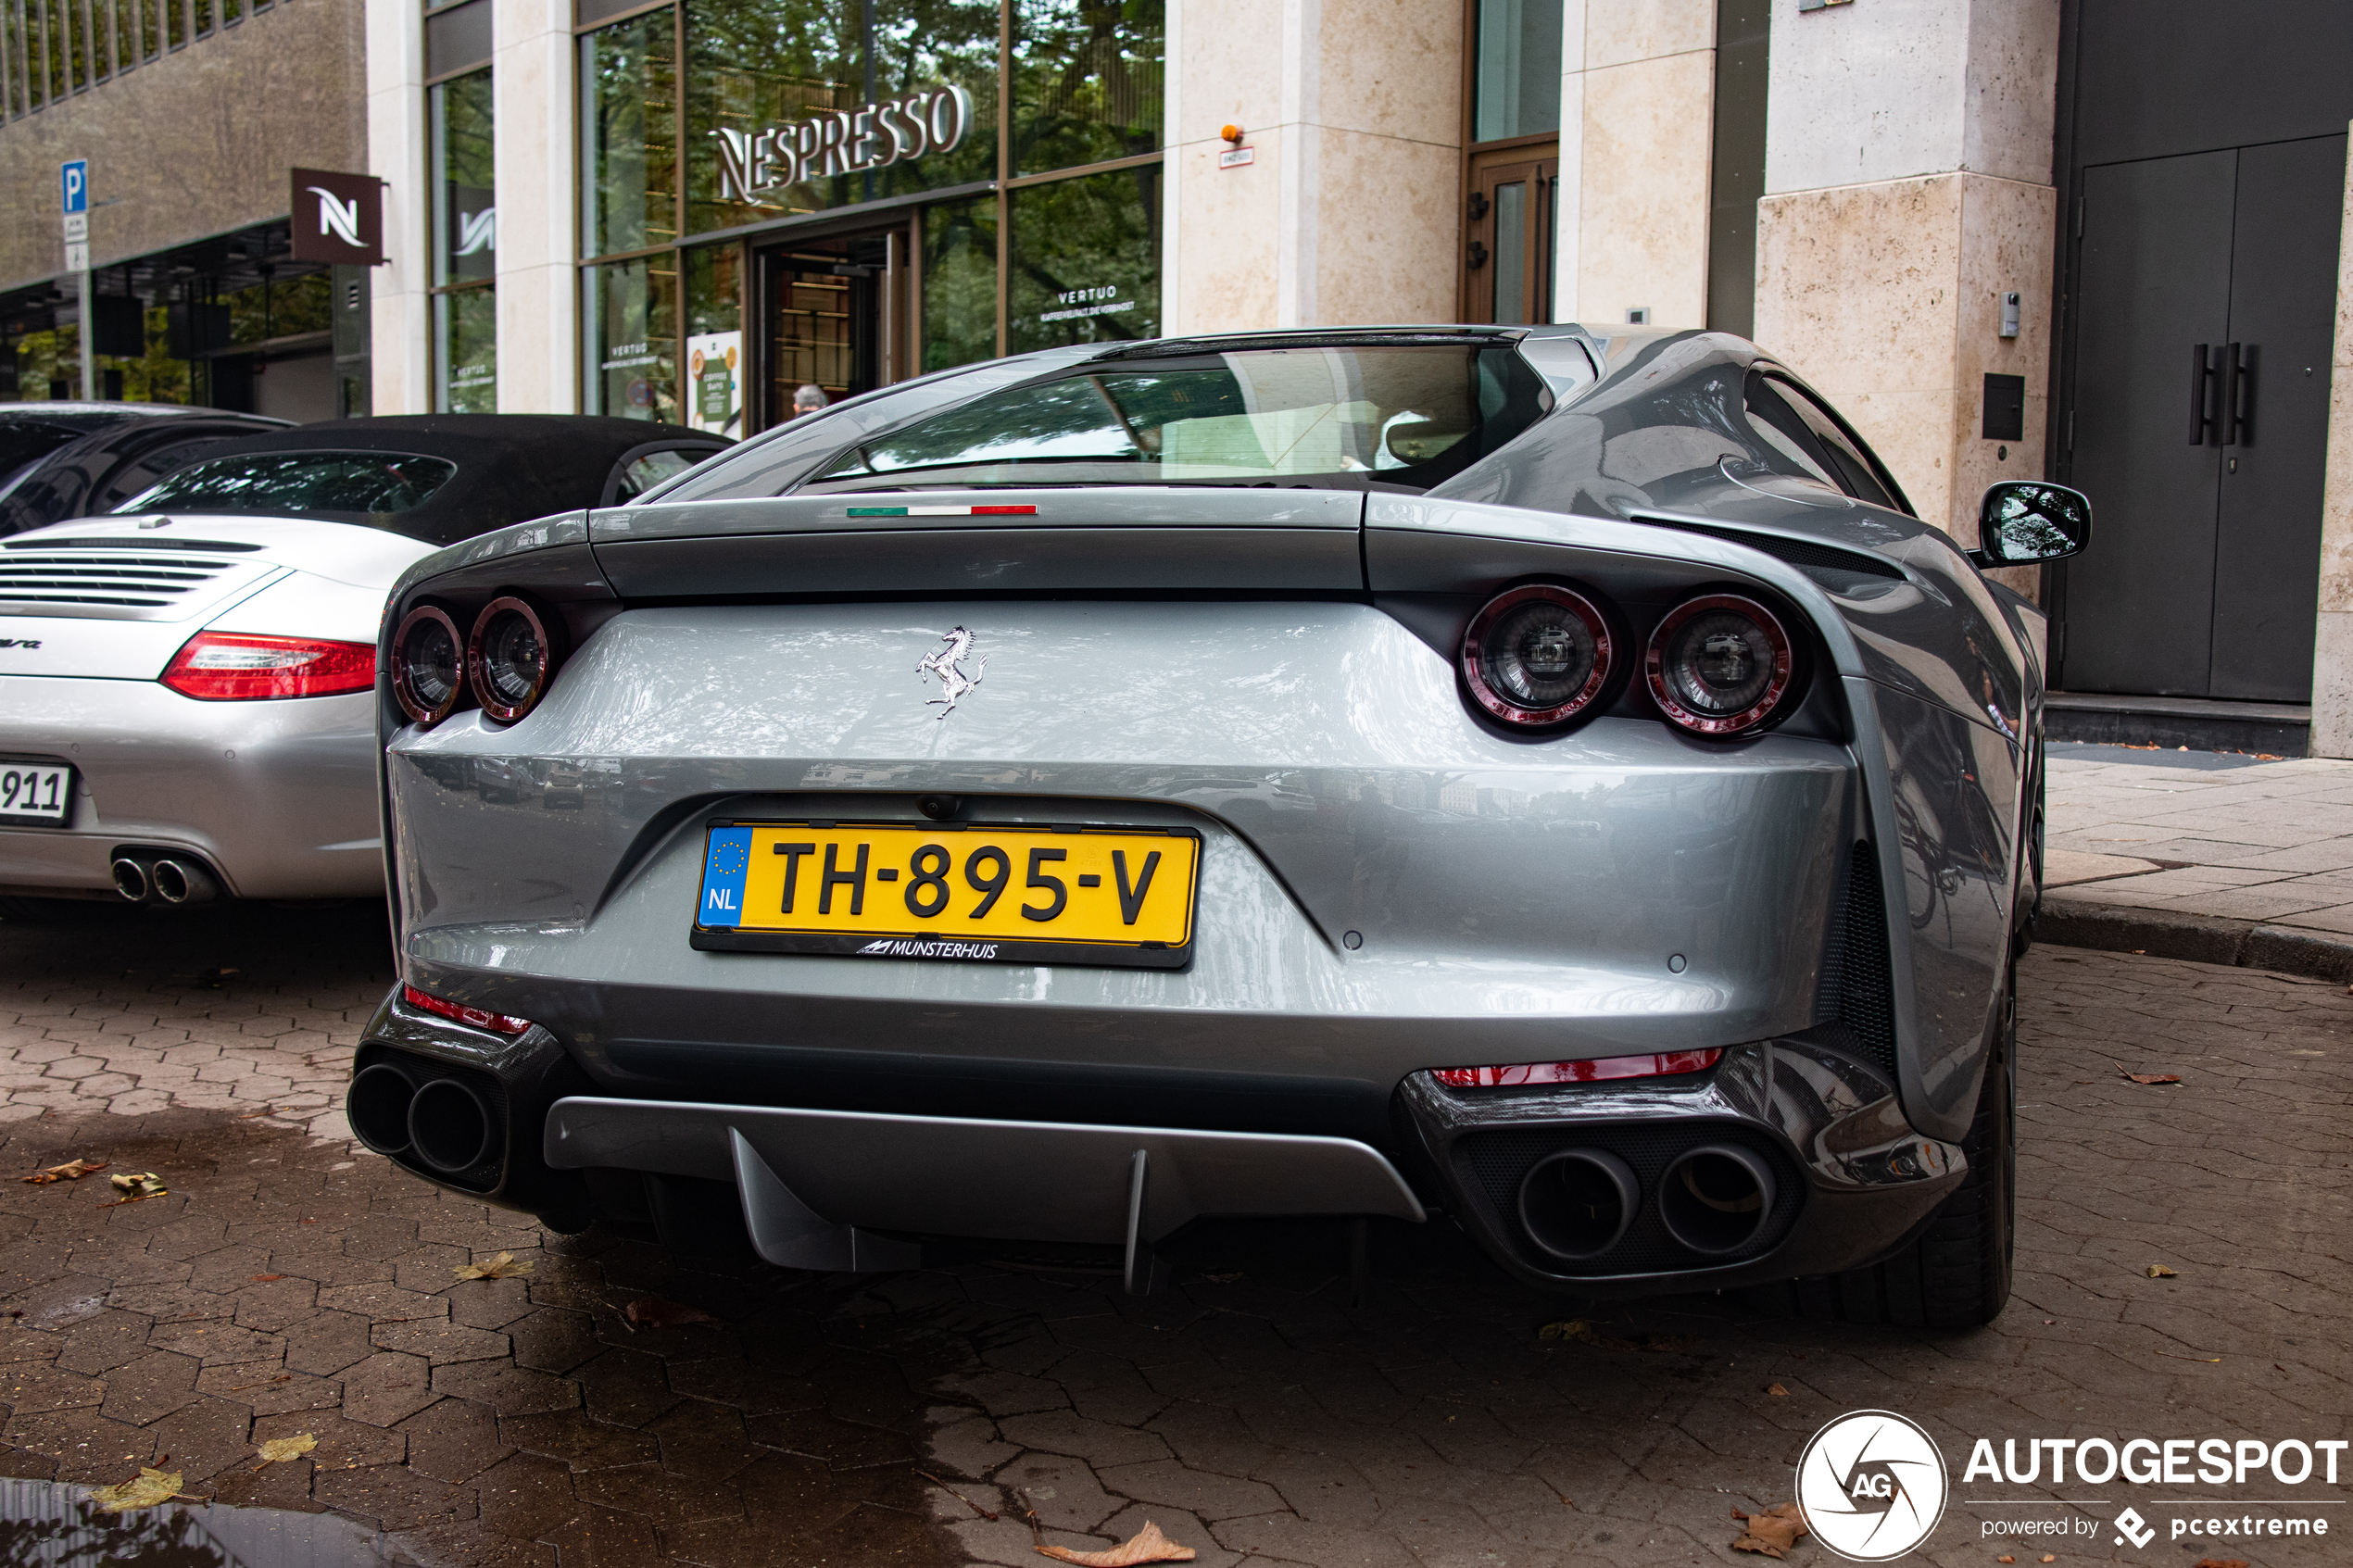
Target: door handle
x,y
2238,395
2202,371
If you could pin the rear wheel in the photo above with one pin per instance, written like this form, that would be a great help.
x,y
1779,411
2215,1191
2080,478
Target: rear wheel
x,y
1955,1272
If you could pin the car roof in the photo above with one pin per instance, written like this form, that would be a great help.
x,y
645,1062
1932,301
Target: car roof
x,y
510,466
99,416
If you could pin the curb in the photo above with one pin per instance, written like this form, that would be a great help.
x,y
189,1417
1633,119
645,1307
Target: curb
x,y
2239,944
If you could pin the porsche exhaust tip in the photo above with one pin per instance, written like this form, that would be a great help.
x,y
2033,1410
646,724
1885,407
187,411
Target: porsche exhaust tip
x,y
450,1126
1577,1204
377,1106
1716,1198
183,881
130,880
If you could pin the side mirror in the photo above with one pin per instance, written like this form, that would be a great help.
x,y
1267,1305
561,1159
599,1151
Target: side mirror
x,y
2025,522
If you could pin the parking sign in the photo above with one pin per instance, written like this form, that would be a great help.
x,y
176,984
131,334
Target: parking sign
x,y
73,184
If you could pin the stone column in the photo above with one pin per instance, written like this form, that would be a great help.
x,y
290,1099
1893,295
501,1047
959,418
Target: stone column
x,y
532,87
2333,637
400,371
1638,96
1907,181
1348,212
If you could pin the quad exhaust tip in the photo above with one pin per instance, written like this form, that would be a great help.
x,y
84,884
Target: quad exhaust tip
x,y
377,1106
1576,1204
450,1126
1716,1198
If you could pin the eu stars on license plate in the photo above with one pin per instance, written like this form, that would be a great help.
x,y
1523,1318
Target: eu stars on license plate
x,y
1121,897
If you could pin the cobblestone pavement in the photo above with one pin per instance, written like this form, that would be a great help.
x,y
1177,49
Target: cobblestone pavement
x,y
292,1284
2267,841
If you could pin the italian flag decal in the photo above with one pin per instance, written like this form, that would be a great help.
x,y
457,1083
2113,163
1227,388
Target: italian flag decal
x,y
943,511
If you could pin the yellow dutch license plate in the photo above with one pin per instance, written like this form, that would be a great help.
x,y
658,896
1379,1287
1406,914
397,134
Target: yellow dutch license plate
x,y
1121,897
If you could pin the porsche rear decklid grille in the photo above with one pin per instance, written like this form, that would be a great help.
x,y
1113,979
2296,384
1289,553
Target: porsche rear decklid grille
x,y
89,577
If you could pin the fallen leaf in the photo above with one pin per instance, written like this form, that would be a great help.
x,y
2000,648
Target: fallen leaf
x,y
1771,1533
2006,1557
266,1279
1147,1545
2222,1562
277,1450
1776,1389
136,1185
2147,1077
2158,1271
1573,1328
71,1171
145,1490
652,1312
501,1267
2050,1556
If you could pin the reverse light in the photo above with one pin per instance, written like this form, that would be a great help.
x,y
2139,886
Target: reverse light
x,y
511,658
1538,655
459,1012
1660,1064
428,665
237,667
1719,664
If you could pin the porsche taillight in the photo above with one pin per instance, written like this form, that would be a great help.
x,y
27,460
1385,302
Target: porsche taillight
x,y
241,667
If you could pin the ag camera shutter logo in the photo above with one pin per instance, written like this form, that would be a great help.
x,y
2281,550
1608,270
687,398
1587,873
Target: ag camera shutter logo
x,y
1872,1485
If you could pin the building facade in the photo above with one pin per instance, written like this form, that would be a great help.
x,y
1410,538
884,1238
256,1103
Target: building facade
x,y
189,115
2005,237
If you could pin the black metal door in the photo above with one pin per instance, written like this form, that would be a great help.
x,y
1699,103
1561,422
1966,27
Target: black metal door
x,y
2155,281
2208,289
2267,558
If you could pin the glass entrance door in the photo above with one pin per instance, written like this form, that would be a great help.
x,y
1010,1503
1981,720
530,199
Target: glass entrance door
x,y
833,317
1510,258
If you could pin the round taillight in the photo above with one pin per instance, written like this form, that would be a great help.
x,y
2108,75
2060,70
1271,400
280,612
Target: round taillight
x,y
1719,664
1538,655
428,665
511,658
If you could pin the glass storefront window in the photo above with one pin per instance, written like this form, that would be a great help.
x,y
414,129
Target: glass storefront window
x,y
465,216
465,365
1086,261
715,360
629,135
1516,83
465,229
960,283
789,82
1087,81
633,338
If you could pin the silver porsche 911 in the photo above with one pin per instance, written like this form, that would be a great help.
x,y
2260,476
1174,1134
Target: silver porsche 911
x,y
1539,782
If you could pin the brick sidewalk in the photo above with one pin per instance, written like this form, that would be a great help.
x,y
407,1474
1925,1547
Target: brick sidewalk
x,y
2269,842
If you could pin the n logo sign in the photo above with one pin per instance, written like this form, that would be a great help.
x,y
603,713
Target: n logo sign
x,y
338,218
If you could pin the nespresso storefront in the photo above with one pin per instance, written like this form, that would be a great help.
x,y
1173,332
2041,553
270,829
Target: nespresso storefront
x,y
775,192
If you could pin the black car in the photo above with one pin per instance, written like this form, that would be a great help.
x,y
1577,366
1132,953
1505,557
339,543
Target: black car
x,y
60,460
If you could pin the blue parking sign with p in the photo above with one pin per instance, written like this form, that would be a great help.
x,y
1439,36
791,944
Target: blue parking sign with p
x,y
73,184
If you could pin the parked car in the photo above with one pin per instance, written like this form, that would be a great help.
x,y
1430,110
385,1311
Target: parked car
x,y
60,460
1644,812
183,687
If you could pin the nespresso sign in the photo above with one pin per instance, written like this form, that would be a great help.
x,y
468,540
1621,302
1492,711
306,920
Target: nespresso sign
x,y
756,166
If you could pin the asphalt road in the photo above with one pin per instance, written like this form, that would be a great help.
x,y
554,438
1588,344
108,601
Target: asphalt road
x,y
289,1283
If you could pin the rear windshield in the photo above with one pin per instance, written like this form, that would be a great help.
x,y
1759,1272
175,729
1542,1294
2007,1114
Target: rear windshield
x,y
299,482
1402,416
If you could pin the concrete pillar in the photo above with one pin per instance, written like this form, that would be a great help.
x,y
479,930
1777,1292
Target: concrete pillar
x,y
2333,637
1638,94
1908,180
1348,212
402,379
532,90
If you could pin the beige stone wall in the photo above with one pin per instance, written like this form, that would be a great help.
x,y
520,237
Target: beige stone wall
x,y
1907,188
397,300
533,78
2332,640
193,144
1637,96
1887,298
1352,109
